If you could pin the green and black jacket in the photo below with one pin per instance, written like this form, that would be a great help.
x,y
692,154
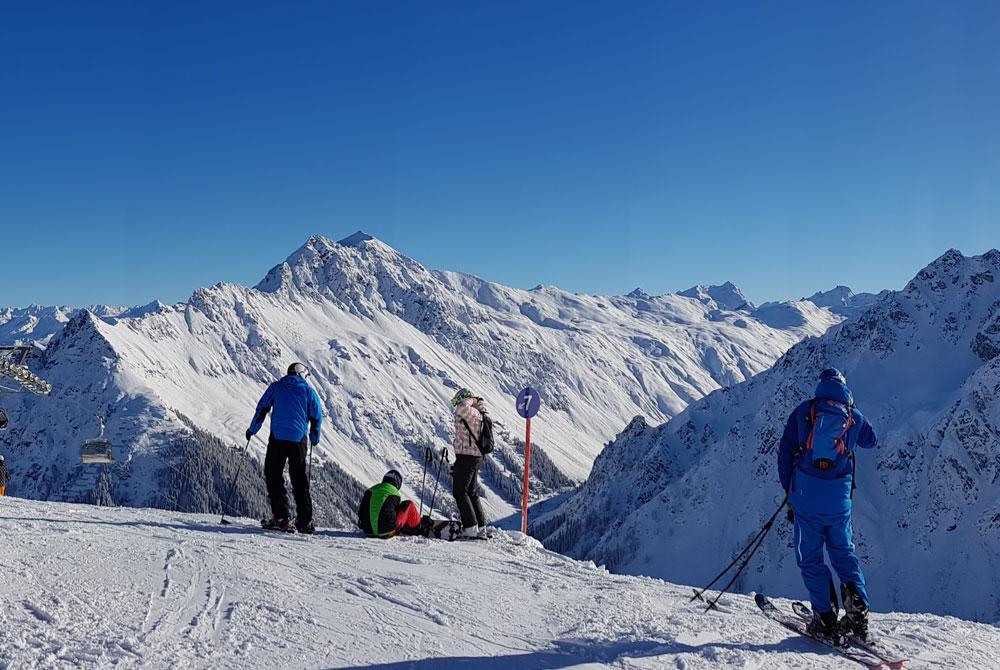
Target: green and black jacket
x,y
377,512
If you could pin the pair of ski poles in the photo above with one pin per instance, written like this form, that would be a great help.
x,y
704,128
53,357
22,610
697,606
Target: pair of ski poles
x,y
428,458
746,555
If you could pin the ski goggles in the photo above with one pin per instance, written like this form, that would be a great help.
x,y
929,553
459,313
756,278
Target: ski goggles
x,y
460,396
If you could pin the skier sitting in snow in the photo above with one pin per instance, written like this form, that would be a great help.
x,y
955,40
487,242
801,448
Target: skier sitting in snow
x,y
816,467
297,417
4,476
383,512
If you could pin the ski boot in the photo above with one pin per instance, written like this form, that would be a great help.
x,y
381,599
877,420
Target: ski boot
x,y
825,625
305,528
283,524
855,621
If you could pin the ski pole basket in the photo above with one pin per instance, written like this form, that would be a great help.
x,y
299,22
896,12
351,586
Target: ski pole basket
x,y
98,449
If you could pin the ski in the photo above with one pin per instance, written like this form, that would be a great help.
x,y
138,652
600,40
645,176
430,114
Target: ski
x,y
869,646
796,625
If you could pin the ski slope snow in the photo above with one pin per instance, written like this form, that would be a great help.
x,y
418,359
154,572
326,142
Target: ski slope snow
x,y
94,587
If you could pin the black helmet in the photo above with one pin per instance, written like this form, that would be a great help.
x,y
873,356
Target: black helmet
x,y
393,477
298,369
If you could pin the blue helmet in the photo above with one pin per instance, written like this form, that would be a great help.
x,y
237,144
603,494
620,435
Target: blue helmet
x,y
833,386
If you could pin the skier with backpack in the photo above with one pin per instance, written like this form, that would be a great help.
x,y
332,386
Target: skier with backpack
x,y
816,465
383,513
296,422
473,440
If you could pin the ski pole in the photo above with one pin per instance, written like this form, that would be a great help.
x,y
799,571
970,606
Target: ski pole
x,y
232,487
437,479
756,544
764,529
428,456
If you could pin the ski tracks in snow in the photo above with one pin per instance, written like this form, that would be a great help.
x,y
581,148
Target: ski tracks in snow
x,y
120,588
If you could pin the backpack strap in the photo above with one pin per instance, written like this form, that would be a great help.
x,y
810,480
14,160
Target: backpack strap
x,y
472,437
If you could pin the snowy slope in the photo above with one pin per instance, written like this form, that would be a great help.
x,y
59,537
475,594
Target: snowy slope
x,y
95,588
680,499
389,342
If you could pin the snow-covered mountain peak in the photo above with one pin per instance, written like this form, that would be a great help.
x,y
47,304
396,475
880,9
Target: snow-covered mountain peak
x,y
357,239
724,296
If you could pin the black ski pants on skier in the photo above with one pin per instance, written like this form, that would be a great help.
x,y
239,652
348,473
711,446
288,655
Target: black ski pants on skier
x,y
296,454
465,480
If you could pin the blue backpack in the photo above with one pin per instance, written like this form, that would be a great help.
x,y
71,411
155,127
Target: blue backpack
x,y
826,454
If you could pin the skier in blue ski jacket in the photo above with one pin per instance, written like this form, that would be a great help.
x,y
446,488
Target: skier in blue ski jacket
x,y
297,416
816,461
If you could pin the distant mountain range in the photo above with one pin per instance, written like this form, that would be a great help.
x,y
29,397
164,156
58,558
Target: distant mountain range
x,y
389,342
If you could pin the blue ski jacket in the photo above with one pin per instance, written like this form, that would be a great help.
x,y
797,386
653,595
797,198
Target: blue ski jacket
x,y
297,410
807,493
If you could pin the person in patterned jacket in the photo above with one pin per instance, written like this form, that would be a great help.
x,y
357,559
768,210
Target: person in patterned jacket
x,y
468,421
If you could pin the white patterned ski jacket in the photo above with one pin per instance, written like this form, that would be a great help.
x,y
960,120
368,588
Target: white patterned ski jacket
x,y
472,410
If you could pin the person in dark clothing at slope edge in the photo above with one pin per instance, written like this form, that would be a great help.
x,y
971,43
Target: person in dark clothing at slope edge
x,y
383,513
297,418
816,463
4,476
468,422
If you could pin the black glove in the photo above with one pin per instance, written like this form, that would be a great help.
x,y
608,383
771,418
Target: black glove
x,y
249,435
790,515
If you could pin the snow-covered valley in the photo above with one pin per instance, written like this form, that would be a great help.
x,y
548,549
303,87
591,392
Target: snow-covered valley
x,y
91,587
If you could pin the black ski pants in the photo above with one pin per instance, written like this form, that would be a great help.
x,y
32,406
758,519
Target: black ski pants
x,y
465,480
296,454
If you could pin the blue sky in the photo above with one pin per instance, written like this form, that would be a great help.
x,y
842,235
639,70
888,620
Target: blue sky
x,y
147,149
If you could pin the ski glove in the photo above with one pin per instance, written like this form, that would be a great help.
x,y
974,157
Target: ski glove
x,y
249,435
790,514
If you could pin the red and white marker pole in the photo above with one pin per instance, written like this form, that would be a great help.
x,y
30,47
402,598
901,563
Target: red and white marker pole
x,y
527,406
527,474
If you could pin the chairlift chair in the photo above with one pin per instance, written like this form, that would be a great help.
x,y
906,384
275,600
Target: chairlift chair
x,y
98,449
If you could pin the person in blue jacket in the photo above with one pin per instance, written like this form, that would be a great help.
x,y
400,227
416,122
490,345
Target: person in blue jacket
x,y
297,417
816,462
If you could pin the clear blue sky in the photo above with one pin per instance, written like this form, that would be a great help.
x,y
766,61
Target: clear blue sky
x,y
147,149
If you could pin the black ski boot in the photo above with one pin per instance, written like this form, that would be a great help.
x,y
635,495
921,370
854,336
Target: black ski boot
x,y
283,524
826,626
305,528
855,620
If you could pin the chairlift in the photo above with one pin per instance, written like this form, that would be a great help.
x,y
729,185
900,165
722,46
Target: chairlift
x,y
98,449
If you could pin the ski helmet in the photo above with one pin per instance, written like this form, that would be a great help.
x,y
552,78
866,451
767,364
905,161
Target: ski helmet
x,y
298,369
460,396
393,477
833,373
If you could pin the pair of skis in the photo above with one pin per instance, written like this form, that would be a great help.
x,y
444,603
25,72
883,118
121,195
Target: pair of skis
x,y
862,652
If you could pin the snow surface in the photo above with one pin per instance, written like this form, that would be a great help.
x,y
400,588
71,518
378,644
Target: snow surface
x,y
89,587
679,500
388,342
